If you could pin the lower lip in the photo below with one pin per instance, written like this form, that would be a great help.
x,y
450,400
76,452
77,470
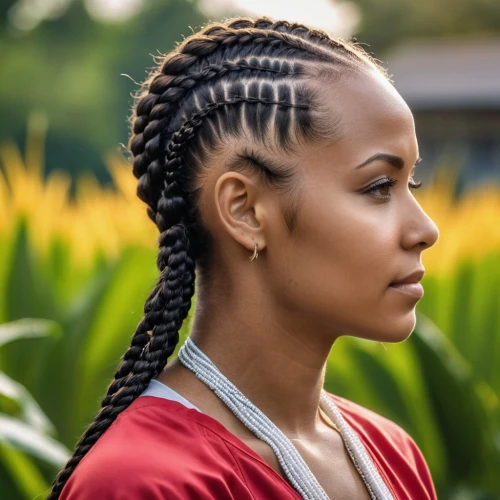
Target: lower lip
x,y
413,289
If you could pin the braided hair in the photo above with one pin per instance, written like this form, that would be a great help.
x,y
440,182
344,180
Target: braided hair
x,y
241,78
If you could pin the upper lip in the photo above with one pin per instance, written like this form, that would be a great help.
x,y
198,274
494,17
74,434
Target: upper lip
x,y
414,277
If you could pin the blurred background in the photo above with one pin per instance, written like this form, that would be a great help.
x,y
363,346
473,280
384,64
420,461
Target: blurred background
x,y
77,251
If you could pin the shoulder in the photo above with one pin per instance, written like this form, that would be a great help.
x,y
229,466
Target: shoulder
x,y
154,451
395,452
371,424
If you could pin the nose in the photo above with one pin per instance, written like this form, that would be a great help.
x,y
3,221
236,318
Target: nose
x,y
419,229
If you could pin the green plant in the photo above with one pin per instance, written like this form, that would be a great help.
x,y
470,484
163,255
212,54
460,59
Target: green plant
x,y
26,434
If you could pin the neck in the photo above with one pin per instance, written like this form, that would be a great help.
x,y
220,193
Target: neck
x,y
272,360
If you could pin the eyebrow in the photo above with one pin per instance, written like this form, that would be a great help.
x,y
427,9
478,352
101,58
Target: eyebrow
x,y
395,161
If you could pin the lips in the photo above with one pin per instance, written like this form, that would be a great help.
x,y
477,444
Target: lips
x,y
413,289
409,285
412,278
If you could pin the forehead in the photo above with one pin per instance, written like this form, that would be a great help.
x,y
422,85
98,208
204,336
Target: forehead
x,y
373,116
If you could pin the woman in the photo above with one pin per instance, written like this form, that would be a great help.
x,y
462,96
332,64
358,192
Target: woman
x,y
272,142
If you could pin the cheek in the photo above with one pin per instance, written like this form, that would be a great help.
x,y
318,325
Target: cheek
x,y
338,266
351,246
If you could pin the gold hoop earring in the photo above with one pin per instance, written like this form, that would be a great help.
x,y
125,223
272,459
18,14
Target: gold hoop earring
x,y
255,253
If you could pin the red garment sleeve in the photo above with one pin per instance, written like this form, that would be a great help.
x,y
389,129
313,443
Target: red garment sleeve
x,y
148,455
396,454
107,477
420,465
412,479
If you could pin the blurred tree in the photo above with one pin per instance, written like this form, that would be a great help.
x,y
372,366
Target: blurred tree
x,y
69,69
5,6
386,22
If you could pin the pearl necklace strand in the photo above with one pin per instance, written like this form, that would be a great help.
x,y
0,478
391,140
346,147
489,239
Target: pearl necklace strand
x,y
296,470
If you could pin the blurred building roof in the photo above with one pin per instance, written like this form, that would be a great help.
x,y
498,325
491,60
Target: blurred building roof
x,y
447,73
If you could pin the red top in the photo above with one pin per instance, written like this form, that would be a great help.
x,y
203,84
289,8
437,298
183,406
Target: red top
x,y
159,449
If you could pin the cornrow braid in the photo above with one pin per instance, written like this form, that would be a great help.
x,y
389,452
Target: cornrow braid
x,y
203,45
187,54
243,73
312,35
147,129
174,89
176,148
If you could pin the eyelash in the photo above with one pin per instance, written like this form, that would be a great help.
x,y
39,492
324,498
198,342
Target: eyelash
x,y
389,182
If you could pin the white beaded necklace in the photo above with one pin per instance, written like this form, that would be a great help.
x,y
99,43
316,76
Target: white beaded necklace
x,y
296,470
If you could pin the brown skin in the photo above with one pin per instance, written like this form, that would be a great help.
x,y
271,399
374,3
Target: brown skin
x,y
269,325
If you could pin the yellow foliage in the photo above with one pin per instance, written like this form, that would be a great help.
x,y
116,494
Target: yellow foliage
x,y
98,219
468,226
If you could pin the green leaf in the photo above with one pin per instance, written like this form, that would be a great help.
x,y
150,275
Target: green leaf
x,y
23,472
464,422
28,328
27,292
31,413
20,436
483,348
113,322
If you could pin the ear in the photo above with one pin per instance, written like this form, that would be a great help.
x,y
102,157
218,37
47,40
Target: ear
x,y
240,209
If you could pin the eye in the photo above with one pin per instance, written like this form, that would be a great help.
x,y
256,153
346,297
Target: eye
x,y
388,183
380,185
413,186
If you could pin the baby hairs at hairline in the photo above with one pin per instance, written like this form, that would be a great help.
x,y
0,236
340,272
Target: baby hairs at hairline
x,y
240,77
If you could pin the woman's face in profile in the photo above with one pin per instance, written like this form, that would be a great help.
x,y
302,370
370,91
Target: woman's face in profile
x,y
350,244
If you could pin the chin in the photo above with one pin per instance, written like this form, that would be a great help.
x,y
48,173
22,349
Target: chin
x,y
391,330
395,337
399,330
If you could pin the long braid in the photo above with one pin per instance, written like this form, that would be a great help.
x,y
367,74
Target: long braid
x,y
156,354
170,300
167,120
174,281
